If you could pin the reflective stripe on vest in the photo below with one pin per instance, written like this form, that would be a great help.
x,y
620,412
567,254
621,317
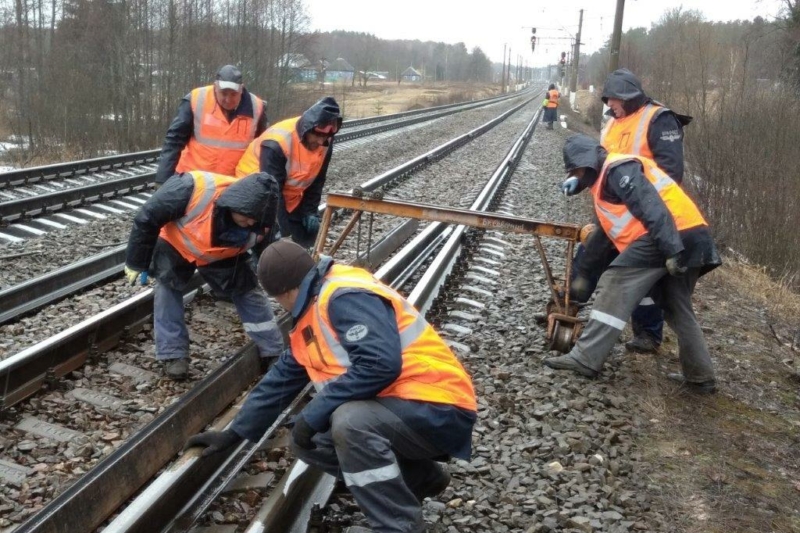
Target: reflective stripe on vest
x,y
618,222
628,135
199,116
430,371
184,233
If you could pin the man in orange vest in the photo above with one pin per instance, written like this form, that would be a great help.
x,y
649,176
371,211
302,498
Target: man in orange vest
x,y
551,106
205,222
213,127
392,400
664,246
638,125
297,152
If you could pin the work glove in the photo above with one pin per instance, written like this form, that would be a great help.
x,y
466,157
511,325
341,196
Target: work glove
x,y
311,223
570,186
579,290
302,433
674,266
214,441
131,275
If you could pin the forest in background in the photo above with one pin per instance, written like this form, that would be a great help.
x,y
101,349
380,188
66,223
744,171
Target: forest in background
x,y
82,77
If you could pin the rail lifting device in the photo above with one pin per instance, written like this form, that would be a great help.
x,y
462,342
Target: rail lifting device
x,y
563,325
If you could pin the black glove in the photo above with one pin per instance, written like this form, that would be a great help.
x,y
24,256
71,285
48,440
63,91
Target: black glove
x,y
579,289
214,441
302,433
264,363
674,266
311,223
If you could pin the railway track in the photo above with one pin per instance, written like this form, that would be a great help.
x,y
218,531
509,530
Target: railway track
x,y
20,383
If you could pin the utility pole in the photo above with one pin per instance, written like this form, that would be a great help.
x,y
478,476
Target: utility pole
x,y
573,83
616,37
508,70
503,76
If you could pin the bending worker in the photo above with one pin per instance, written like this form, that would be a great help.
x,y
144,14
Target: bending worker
x,y
664,246
297,152
551,106
391,401
213,127
205,222
638,125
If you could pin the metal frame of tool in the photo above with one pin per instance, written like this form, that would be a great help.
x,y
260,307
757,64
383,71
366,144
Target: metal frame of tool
x,y
563,326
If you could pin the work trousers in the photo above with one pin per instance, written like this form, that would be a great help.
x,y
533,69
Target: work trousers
x,y
619,291
647,317
382,460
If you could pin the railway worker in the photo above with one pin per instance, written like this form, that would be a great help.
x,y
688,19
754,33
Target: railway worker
x,y
664,246
297,151
205,222
213,127
392,400
638,125
551,106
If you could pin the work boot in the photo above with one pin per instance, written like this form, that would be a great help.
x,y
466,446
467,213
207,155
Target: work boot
x,y
642,343
177,369
703,387
566,362
435,484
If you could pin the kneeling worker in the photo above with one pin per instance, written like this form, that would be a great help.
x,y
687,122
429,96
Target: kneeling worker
x,y
297,151
391,401
206,222
664,243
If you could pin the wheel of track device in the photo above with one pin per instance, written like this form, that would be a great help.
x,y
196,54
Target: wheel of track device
x,y
561,340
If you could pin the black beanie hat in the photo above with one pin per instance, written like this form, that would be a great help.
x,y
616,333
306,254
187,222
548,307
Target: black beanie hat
x,y
282,267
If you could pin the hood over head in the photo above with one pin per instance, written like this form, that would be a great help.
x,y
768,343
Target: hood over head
x,y
552,86
582,151
624,85
322,115
255,196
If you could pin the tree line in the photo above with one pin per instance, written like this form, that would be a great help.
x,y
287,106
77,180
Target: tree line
x,y
81,77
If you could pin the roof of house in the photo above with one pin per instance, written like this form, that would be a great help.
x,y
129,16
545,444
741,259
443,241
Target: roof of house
x,y
341,65
411,71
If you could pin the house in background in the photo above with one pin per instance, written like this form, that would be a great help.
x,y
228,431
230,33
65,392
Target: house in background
x,y
339,70
411,74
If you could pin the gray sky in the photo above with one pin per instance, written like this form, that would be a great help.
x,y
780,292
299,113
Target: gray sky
x,y
492,24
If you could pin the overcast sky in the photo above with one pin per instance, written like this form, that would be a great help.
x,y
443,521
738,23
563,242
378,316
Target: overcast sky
x,y
494,23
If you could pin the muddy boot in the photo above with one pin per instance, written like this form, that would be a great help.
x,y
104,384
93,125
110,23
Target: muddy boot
x,y
177,369
642,343
705,387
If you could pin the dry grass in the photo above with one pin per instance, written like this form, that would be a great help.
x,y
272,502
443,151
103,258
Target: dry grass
x,y
777,296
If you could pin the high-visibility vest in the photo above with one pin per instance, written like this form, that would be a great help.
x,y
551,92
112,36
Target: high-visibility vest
x,y
302,165
430,371
619,224
216,145
552,98
191,235
628,135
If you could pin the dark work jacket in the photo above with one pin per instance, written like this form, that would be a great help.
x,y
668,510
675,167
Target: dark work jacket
x,y
376,363
273,160
255,196
662,240
182,128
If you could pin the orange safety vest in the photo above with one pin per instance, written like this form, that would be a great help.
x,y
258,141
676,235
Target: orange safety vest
x,y
190,235
430,371
620,225
302,165
552,98
216,145
628,135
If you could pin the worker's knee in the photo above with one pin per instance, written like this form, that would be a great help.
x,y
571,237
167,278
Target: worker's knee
x,y
350,421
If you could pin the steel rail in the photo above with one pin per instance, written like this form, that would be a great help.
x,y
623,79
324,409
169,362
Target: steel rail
x,y
86,166
22,208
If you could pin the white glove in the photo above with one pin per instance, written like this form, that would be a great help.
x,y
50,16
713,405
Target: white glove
x,y
570,186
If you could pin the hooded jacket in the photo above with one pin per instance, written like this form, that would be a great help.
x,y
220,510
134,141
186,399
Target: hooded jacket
x,y
376,362
627,184
255,196
272,159
665,134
